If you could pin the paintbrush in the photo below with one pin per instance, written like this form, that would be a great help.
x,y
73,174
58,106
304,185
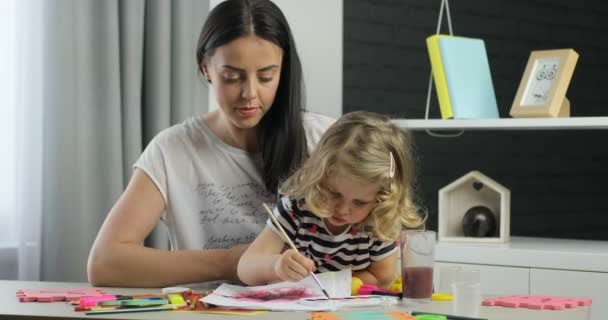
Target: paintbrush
x,y
278,225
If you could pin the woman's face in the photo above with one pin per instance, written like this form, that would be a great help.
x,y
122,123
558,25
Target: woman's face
x,y
244,76
350,201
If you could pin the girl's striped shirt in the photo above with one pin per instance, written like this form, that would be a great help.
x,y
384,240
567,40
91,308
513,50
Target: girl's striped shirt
x,y
350,249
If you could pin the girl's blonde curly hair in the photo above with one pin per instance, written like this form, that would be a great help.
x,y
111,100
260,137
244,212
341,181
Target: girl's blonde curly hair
x,y
360,144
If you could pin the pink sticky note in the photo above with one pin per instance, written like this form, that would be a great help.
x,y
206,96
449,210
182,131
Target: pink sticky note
x,y
92,301
50,295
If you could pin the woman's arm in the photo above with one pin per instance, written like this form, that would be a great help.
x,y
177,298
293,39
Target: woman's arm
x,y
118,257
380,273
263,262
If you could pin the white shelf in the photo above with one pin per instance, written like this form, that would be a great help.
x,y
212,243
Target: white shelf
x,y
544,253
575,123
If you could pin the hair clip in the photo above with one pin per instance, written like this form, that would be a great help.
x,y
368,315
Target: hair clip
x,y
391,170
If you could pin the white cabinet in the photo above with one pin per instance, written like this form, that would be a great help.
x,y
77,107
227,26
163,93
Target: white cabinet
x,y
535,266
573,284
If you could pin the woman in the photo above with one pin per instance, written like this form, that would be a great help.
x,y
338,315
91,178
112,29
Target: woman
x,y
206,178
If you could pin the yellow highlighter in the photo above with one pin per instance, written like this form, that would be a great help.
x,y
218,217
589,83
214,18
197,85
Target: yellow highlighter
x,y
442,297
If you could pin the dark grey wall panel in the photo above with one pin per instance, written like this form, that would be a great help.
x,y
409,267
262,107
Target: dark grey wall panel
x,y
558,179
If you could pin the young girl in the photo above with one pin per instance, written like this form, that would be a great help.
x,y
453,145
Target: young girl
x,y
343,209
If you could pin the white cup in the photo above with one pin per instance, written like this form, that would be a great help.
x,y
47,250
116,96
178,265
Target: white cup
x,y
447,276
467,299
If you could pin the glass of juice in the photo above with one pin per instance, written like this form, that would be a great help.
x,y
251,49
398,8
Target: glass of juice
x,y
417,259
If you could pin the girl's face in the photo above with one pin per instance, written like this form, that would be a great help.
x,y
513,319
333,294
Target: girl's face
x,y
244,77
350,201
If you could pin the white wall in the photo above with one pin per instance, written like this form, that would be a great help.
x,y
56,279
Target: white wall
x,y
317,30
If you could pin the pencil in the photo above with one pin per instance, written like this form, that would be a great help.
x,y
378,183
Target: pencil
x,y
278,225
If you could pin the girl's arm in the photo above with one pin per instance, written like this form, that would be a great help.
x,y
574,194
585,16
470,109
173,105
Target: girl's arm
x,y
380,273
263,262
118,257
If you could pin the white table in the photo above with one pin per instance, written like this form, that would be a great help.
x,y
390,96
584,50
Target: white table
x,y
11,308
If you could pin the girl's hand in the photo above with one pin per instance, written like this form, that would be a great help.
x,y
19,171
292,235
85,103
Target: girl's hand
x,y
293,266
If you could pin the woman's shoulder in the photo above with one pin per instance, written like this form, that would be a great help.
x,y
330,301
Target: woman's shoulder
x,y
317,120
315,125
187,130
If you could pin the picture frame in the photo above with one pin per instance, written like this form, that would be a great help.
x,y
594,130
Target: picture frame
x,y
543,86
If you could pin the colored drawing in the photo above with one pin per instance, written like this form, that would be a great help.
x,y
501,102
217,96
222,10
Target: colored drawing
x,y
275,295
272,297
50,295
283,296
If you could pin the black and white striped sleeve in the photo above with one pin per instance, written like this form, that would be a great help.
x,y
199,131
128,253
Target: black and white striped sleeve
x,y
381,249
286,217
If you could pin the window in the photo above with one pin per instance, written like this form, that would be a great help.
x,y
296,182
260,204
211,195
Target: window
x,y
8,90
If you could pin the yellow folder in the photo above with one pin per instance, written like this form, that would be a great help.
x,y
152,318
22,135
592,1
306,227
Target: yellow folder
x,y
441,85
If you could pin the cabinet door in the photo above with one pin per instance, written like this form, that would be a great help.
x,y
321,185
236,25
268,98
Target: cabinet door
x,y
576,284
495,280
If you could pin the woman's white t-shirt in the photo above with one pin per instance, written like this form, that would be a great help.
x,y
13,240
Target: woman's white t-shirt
x,y
213,192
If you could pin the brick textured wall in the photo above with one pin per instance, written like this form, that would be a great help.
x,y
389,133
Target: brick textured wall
x,y
558,179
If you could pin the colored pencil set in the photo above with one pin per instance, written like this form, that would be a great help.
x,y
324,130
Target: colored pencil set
x,y
125,303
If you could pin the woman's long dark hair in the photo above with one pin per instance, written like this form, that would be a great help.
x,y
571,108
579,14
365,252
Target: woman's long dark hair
x,y
282,139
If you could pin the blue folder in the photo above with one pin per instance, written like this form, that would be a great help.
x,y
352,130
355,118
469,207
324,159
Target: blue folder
x,y
468,78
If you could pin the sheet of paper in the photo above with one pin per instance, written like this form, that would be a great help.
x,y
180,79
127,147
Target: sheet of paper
x,y
284,296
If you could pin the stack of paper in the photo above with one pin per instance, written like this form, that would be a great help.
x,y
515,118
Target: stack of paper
x,y
295,296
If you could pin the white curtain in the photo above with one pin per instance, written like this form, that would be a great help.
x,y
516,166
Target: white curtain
x,y
96,81
29,140
20,139
8,54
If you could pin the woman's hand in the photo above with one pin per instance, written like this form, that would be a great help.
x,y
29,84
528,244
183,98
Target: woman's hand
x,y
293,266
